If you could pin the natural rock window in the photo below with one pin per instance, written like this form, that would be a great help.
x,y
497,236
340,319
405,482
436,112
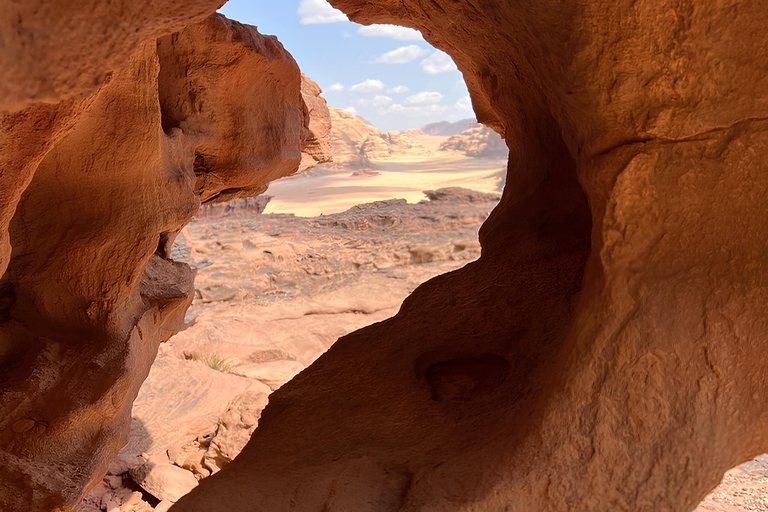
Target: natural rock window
x,y
622,275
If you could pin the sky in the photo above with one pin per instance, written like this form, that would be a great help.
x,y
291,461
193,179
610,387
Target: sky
x,y
385,74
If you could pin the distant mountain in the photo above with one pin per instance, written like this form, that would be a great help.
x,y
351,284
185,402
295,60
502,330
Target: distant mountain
x,y
477,141
356,142
447,128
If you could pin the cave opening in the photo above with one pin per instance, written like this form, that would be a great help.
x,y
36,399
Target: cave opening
x,y
330,250
603,352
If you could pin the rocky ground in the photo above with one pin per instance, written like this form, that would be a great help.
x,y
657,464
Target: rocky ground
x,y
273,293
743,488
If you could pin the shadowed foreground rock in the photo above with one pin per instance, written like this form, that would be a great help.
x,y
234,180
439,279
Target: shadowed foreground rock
x,y
210,112
607,350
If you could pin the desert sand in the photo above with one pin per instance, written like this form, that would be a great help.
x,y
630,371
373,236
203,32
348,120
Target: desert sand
x,y
403,164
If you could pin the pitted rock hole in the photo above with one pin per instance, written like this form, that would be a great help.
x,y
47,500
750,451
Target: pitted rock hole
x,y
465,377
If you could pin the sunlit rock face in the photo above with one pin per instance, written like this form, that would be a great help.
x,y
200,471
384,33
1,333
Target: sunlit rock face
x,y
55,56
607,350
103,179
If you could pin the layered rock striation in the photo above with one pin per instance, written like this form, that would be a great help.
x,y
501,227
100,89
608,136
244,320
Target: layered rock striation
x,y
98,181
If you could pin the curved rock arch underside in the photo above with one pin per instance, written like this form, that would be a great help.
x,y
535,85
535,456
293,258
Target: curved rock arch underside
x,y
605,352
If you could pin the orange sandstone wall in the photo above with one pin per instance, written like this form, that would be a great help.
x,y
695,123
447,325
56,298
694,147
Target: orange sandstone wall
x,y
607,351
97,182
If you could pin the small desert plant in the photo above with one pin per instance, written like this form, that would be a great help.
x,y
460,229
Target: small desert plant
x,y
215,361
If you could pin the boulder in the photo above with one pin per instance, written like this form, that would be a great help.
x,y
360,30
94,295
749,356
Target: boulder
x,y
164,506
234,429
164,481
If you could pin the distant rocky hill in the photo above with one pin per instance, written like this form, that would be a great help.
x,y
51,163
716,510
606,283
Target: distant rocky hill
x,y
356,142
447,128
253,205
477,141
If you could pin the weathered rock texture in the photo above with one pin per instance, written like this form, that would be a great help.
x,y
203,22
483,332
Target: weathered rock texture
x,y
316,147
54,57
94,189
606,351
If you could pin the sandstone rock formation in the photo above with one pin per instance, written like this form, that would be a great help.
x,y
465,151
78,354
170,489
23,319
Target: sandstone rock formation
x,y
164,481
55,56
316,147
348,133
605,352
477,141
95,185
297,284
234,429
356,143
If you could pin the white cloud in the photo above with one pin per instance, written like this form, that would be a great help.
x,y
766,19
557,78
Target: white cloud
x,y
464,104
420,105
337,87
418,111
437,63
317,12
402,55
400,89
368,86
351,110
423,98
392,31
379,100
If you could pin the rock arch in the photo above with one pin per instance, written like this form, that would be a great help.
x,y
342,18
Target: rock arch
x,y
621,288
622,279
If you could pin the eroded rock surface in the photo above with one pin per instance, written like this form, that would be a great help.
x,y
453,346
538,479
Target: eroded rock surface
x,y
604,353
109,175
